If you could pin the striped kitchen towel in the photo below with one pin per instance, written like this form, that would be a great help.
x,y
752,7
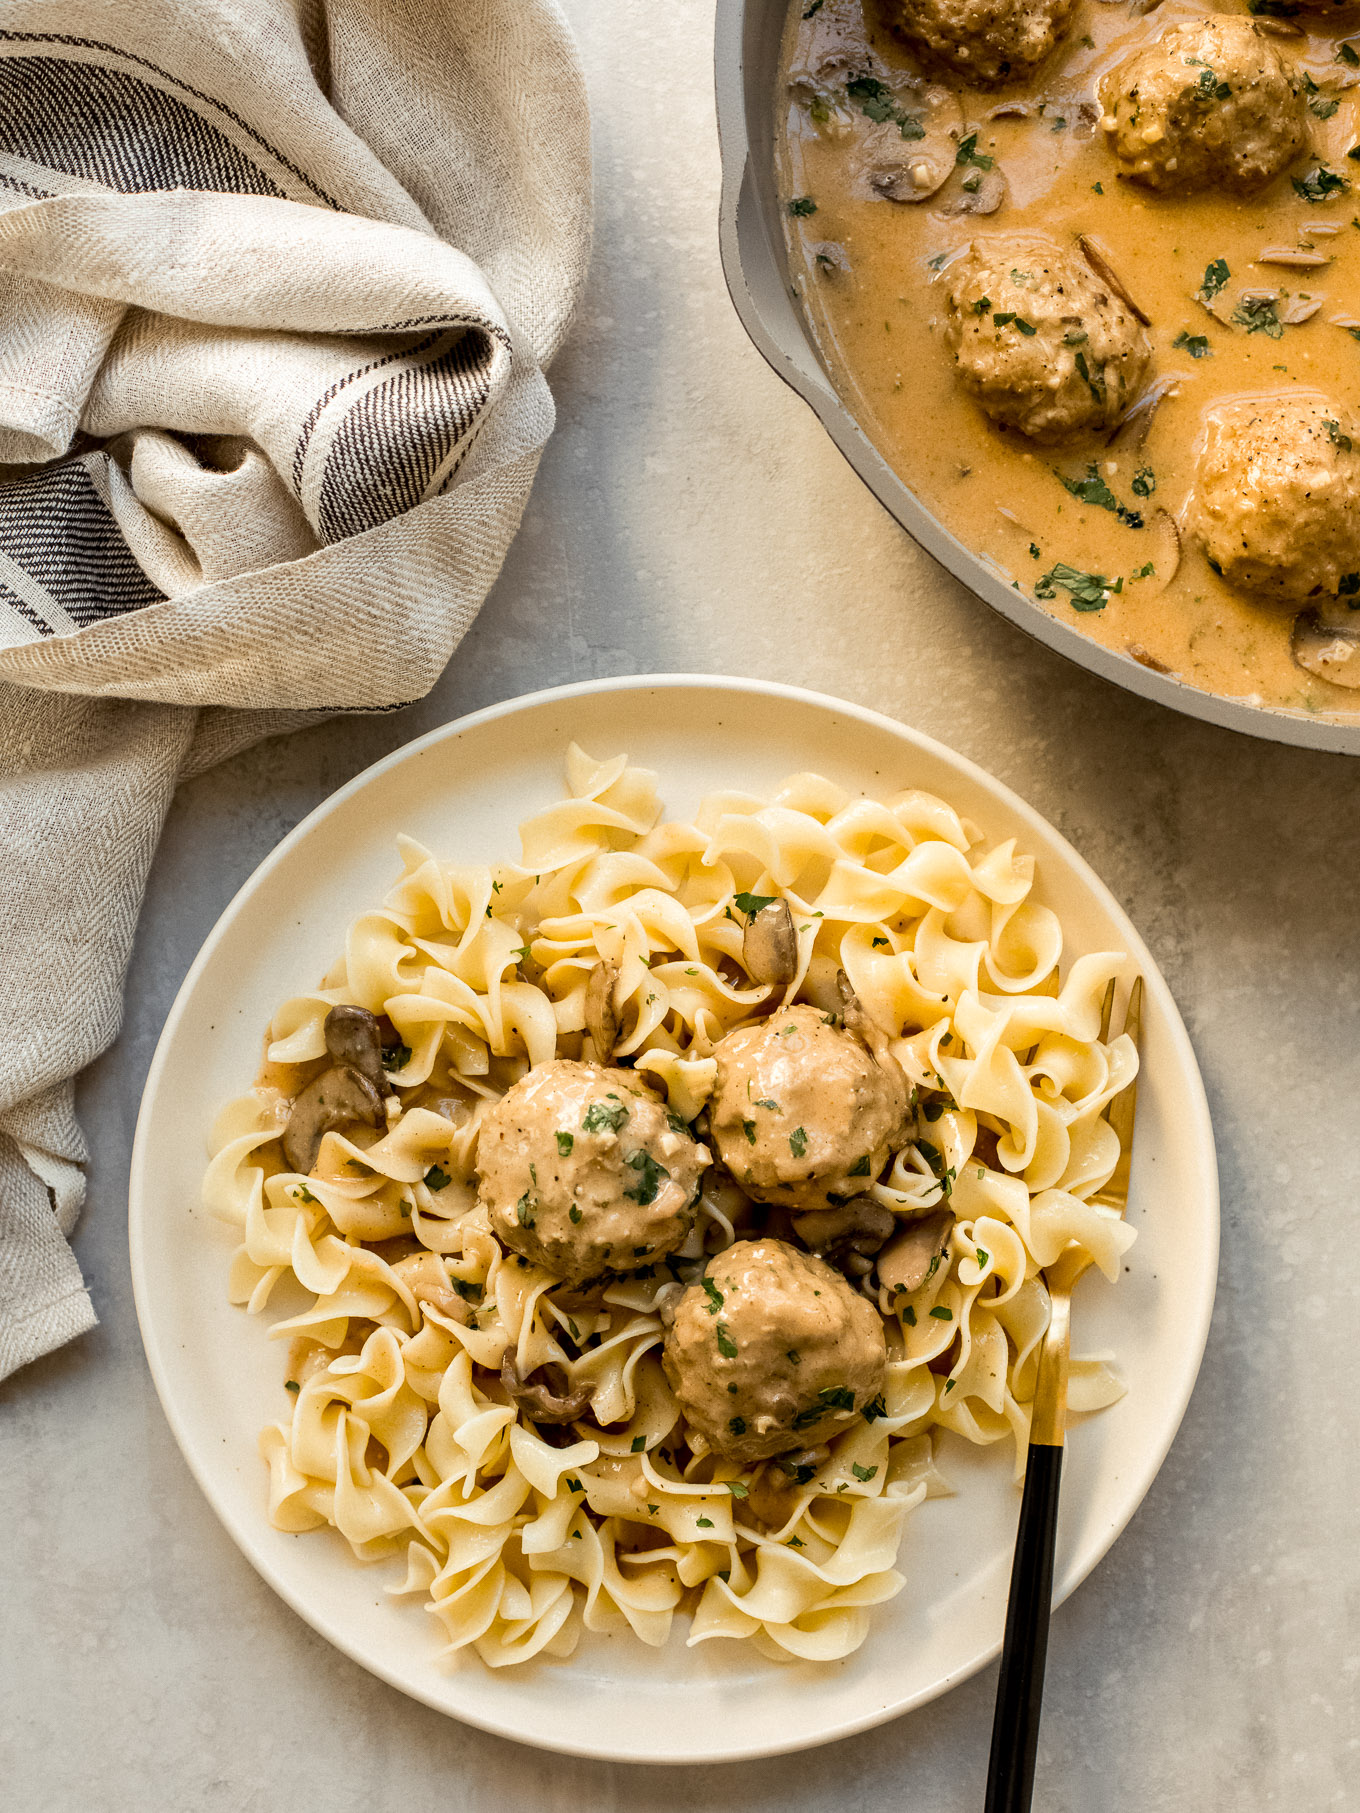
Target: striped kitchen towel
x,y
279,280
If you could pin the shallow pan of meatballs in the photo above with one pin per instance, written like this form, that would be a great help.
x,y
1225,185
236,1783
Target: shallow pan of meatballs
x,y
631,1248
1107,254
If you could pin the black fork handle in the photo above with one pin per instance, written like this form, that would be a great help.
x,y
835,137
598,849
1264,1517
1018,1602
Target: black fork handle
x,y
1020,1688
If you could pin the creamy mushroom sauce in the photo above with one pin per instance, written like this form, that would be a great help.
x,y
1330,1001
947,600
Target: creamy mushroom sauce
x,y
869,271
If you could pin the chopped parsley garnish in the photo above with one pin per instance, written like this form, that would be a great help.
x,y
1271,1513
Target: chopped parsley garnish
x,y
1087,591
801,206
1094,383
650,1175
1093,490
1197,345
1258,314
932,1110
737,1489
302,1194
727,1347
968,153
524,1211
1215,276
436,1178
837,1397
750,904
1346,53
704,1523
798,1142
291,1385
1321,184
653,1509
1209,88
1146,571
816,7
981,306
601,1118
1144,482
574,1485
765,1102
941,1314
876,103
396,1057
574,1213
737,1424
795,1542
1323,106
982,1256
1020,325
862,1473
794,1357
860,1168
715,1296
909,1315
875,1409
749,1129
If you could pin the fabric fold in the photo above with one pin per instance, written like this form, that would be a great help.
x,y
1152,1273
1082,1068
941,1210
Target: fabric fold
x,y
279,280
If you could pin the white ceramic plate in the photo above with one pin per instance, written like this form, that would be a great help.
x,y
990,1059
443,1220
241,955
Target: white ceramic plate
x,y
462,790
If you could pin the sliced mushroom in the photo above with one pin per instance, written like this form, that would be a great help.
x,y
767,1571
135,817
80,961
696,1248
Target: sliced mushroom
x,y
1145,659
1168,557
769,948
1299,309
1011,110
829,257
354,1037
1138,420
1331,650
602,1022
1280,28
865,1028
1099,260
910,1259
337,1098
983,192
774,1489
1295,257
540,1402
862,1224
912,169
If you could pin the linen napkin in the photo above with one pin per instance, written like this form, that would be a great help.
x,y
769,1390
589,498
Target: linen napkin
x,y
278,283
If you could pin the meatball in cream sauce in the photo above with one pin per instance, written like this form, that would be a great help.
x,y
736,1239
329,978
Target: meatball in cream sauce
x,y
773,1351
583,1170
802,1112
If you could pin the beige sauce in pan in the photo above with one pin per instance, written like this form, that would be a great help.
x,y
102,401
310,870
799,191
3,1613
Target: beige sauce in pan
x,y
869,270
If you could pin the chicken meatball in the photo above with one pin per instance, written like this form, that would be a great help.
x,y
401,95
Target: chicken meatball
x,y
1276,499
984,42
583,1170
1210,105
773,1351
1043,344
802,1112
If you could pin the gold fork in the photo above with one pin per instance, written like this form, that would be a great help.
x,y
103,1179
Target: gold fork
x,y
1020,1687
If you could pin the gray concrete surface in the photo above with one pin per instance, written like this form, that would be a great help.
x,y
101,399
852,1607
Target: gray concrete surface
x,y
690,514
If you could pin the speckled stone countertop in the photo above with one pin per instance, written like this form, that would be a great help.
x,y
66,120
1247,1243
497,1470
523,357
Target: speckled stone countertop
x,y
690,514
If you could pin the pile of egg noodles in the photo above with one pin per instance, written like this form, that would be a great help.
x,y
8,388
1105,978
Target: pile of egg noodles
x,y
402,1305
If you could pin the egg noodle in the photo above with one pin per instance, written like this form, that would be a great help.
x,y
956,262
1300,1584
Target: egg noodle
x,y
398,1430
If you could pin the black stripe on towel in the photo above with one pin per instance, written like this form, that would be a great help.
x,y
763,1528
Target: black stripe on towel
x,y
392,442
57,527
111,127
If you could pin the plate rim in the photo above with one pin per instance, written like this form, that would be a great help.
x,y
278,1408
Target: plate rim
x,y
317,1618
